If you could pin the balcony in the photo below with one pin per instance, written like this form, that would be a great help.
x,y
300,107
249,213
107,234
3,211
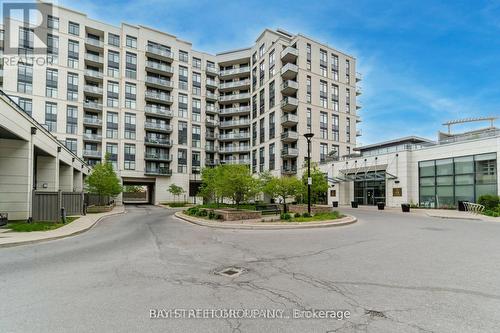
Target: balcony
x,y
289,104
234,136
211,122
92,106
358,105
289,87
241,84
359,133
157,157
235,111
212,70
211,83
211,109
289,71
289,136
359,77
289,152
210,136
158,97
289,170
156,82
289,54
157,142
159,53
234,98
236,161
92,137
234,123
157,111
235,149
93,43
94,59
211,96
234,72
211,162
92,153
92,122
359,91
211,148
159,68
158,172
92,90
91,74
289,120
157,127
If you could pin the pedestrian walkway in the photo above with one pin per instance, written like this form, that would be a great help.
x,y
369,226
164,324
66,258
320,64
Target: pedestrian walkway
x,y
84,223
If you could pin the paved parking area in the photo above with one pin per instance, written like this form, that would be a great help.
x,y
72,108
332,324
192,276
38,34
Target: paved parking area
x,y
393,272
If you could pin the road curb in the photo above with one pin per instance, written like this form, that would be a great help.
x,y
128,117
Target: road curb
x,y
13,244
348,219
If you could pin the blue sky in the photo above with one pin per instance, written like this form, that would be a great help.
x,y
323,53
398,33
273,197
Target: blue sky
x,y
423,62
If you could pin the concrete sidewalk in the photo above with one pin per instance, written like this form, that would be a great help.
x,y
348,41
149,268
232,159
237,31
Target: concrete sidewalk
x,y
80,225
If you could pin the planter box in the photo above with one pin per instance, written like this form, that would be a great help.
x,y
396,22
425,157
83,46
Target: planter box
x,y
315,209
236,214
335,204
380,205
405,208
354,204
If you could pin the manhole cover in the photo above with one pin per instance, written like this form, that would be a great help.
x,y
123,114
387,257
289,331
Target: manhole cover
x,y
375,313
230,271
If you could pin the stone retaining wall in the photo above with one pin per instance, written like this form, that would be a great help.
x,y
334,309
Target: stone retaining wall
x,y
314,209
234,214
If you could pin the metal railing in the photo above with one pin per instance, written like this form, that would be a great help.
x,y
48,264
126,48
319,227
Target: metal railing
x,y
234,97
241,109
159,66
160,51
233,84
158,111
157,126
233,71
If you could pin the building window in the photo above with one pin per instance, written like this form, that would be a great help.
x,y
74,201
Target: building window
x,y
348,130
254,78
272,156
27,105
113,39
112,94
196,110
51,76
196,84
130,124
262,50
71,119
272,62
335,67
254,161
262,73
73,53
323,94
308,120
323,125
72,87
112,125
182,134
71,144
196,63
309,51
335,97
254,106
308,90
335,128
114,64
129,156
131,65
112,154
52,22
25,78
182,160
51,116
183,106
183,56
262,102
131,41
323,152
272,94
323,63
254,133
347,71
195,161
130,95
26,42
183,78
52,49
272,125
196,136
262,130
74,28
348,100
335,153
262,159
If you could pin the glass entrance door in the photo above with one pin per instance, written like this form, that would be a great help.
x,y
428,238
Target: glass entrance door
x,y
370,196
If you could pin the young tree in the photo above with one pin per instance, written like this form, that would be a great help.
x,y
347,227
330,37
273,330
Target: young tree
x,y
210,188
103,180
175,191
319,183
283,187
236,183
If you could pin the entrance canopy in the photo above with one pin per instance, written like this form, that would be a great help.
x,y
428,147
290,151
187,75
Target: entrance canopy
x,y
363,176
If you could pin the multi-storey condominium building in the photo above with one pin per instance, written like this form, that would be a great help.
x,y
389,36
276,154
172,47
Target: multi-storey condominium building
x,y
162,111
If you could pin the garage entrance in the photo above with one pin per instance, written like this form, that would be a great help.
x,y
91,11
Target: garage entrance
x,y
138,191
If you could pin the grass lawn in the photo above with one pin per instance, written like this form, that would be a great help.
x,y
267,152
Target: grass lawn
x,y
22,226
318,217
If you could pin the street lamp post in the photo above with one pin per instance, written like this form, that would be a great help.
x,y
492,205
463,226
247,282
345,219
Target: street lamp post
x,y
308,137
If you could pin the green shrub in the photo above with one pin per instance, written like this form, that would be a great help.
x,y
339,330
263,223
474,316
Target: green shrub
x,y
285,216
176,204
202,212
212,215
493,213
306,214
490,202
193,211
297,215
